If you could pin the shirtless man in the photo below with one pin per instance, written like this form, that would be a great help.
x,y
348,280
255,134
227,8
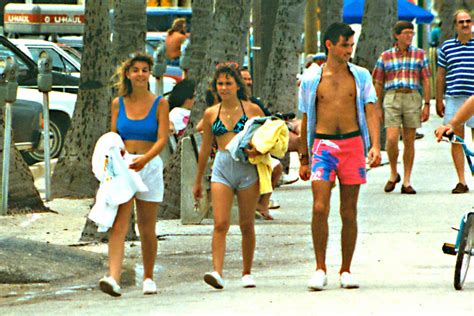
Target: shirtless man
x,y
339,118
174,39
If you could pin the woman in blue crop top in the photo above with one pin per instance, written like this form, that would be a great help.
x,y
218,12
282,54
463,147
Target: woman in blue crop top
x,y
141,119
222,121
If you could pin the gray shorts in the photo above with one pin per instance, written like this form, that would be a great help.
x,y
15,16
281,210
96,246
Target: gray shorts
x,y
237,175
453,104
152,177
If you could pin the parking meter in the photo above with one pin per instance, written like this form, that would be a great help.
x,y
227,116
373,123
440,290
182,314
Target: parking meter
x,y
159,67
45,77
11,74
45,83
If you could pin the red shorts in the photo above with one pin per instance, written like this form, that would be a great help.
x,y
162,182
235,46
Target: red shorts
x,y
341,155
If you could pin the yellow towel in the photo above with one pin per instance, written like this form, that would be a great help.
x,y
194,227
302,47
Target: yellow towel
x,y
270,139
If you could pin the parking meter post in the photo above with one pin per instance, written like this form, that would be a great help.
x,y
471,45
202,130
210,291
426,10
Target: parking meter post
x,y
6,139
159,68
8,92
46,150
45,83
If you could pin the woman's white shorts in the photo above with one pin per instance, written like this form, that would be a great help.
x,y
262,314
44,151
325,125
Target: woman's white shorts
x,y
152,177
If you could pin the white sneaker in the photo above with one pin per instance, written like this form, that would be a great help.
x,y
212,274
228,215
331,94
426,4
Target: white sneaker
x,y
149,287
110,286
348,281
214,280
318,280
248,281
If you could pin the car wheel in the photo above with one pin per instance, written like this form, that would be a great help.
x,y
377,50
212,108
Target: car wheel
x,y
58,126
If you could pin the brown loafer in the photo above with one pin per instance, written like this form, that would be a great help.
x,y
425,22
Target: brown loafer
x,y
390,186
460,188
408,190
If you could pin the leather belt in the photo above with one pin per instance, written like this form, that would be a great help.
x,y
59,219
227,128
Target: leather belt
x,y
404,90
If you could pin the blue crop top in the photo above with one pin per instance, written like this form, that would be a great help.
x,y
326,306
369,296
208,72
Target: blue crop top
x,y
145,129
218,128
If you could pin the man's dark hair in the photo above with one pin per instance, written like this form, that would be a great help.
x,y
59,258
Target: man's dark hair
x,y
334,31
402,25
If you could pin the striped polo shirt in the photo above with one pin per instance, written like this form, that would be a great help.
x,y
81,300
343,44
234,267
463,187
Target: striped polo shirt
x,y
398,70
458,60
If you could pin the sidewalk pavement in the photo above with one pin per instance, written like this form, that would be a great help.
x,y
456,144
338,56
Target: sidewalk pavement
x,y
398,258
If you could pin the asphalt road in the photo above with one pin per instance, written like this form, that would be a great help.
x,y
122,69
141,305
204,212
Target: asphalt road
x,y
398,258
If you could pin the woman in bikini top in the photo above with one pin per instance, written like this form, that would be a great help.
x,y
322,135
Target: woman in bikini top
x,y
233,111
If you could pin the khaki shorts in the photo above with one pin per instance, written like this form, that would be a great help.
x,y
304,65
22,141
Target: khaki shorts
x,y
402,109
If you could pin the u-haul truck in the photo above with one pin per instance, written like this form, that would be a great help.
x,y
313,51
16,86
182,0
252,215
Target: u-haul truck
x,y
20,18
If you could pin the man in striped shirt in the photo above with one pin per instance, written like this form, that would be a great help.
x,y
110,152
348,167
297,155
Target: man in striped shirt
x,y
455,81
400,73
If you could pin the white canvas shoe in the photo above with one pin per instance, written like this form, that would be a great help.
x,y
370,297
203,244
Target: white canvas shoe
x,y
248,281
149,287
214,280
348,281
318,280
110,286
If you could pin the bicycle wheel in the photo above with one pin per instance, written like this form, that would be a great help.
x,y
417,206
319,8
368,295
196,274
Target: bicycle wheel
x,y
464,253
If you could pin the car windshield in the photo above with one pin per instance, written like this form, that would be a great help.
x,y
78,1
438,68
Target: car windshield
x,y
73,53
5,52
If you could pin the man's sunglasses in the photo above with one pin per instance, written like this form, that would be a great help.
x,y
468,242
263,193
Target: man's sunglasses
x,y
468,21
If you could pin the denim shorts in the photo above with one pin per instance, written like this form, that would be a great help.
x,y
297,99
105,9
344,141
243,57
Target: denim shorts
x,y
237,175
452,106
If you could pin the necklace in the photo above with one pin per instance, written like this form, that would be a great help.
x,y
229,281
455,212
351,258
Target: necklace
x,y
228,113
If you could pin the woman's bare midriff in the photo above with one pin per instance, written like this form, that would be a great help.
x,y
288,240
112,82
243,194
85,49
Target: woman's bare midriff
x,y
223,140
138,147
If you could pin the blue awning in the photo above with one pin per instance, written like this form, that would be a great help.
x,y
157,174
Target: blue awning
x,y
353,11
159,11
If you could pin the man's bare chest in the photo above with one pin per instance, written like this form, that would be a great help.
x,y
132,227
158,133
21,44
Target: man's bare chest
x,y
337,92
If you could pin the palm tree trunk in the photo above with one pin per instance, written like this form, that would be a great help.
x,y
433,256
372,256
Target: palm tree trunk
x,y
330,12
73,174
203,12
310,29
376,36
280,88
129,28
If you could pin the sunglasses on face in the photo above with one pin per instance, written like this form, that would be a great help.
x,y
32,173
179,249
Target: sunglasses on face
x,y
468,21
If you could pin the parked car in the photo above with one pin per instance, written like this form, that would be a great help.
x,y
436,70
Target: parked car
x,y
61,109
74,53
72,41
28,70
26,124
62,61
